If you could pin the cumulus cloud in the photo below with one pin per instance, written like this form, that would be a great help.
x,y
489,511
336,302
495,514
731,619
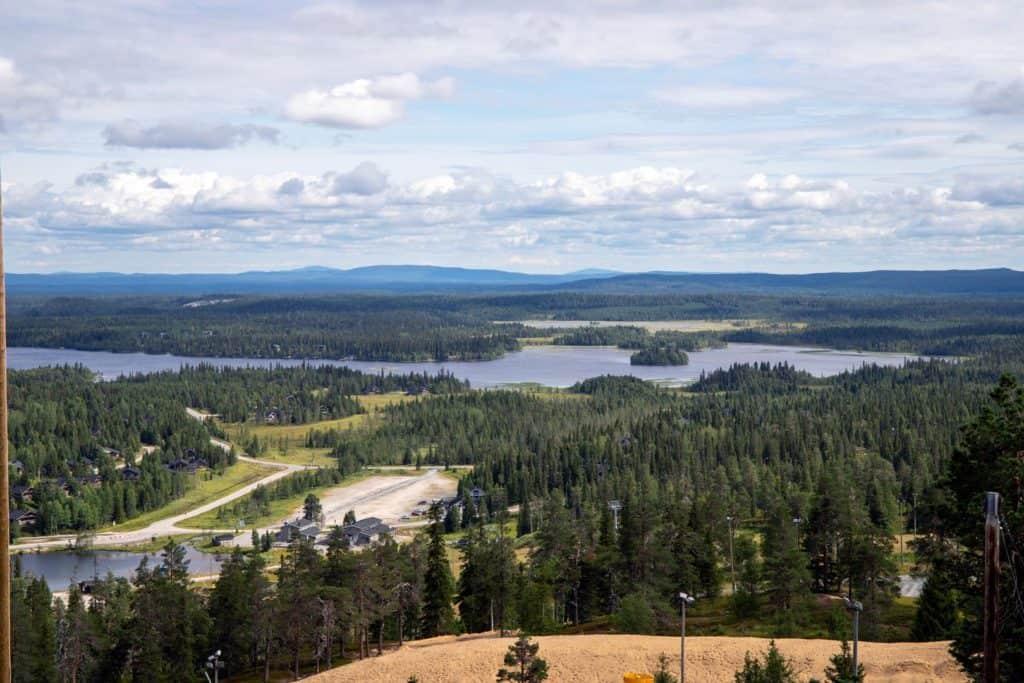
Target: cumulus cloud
x,y
185,135
794,192
991,191
366,102
989,97
365,179
649,212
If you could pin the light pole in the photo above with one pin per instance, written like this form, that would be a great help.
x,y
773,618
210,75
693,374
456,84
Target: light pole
x,y
855,608
732,563
476,494
684,601
213,662
615,506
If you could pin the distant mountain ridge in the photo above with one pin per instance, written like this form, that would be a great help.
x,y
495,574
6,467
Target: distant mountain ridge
x,y
440,279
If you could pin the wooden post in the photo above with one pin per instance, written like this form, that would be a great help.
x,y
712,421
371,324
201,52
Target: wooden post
x,y
990,672
5,502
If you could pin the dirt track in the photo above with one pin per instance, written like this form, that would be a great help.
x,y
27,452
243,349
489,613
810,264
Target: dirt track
x,y
604,658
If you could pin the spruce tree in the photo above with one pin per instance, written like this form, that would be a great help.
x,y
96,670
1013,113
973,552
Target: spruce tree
x,y
437,581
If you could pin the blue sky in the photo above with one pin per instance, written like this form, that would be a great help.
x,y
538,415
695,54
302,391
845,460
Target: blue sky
x,y
783,136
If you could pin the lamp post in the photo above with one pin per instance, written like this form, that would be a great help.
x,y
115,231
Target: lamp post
x,y
214,663
732,562
476,494
615,506
855,608
684,601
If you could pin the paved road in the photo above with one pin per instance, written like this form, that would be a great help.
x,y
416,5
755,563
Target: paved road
x,y
168,526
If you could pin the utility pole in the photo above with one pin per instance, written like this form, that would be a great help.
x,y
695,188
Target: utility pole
x,y
5,502
855,608
991,630
684,601
732,562
915,513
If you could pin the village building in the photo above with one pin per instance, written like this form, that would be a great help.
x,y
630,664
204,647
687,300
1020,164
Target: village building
x,y
366,531
305,528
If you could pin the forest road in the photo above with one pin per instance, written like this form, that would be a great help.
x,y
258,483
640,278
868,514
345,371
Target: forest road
x,y
168,526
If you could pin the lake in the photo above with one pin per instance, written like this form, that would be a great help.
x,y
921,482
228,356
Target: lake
x,y
61,568
555,366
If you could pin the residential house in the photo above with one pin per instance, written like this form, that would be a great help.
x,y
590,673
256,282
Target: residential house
x,y
23,493
24,518
306,528
366,531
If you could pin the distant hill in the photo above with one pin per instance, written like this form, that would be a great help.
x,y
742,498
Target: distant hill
x,y
438,279
312,280
994,281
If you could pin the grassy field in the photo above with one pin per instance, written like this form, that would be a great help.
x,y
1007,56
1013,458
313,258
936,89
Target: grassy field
x,y
209,487
285,443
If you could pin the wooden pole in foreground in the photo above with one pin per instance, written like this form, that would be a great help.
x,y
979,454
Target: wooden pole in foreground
x,y
5,502
990,663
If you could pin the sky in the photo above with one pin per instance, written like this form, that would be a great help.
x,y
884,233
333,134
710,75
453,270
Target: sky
x,y
154,136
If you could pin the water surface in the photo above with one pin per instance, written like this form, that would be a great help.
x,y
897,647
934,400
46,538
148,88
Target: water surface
x,y
556,366
64,567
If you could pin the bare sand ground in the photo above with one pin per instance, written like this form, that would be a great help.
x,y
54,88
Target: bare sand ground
x,y
604,658
387,497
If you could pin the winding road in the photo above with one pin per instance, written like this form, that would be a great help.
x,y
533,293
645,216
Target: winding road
x,y
168,526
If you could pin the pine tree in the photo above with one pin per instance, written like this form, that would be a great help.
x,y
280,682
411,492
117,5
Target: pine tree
x,y
936,617
437,581
528,667
840,668
524,523
785,564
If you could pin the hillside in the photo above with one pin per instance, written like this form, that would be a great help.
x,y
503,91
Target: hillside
x,y
604,658
436,279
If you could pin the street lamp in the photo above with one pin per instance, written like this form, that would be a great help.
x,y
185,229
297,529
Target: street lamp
x,y
213,662
855,608
476,494
615,506
684,601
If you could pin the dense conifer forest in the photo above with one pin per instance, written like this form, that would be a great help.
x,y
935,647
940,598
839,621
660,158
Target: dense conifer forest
x,y
407,328
759,489
88,453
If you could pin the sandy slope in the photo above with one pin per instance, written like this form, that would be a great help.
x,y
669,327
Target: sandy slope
x,y
604,658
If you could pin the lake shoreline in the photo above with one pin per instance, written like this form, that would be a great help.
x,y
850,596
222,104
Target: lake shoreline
x,y
551,365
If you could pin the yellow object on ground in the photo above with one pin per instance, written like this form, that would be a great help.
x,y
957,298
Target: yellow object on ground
x,y
637,678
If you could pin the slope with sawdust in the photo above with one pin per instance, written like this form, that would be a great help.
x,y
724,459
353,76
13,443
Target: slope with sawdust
x,y
604,658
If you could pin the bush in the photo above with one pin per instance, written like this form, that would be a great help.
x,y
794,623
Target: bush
x,y
634,615
773,669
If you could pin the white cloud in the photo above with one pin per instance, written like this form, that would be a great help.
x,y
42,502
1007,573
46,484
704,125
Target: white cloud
x,y
366,102
645,212
23,100
185,135
725,97
989,97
